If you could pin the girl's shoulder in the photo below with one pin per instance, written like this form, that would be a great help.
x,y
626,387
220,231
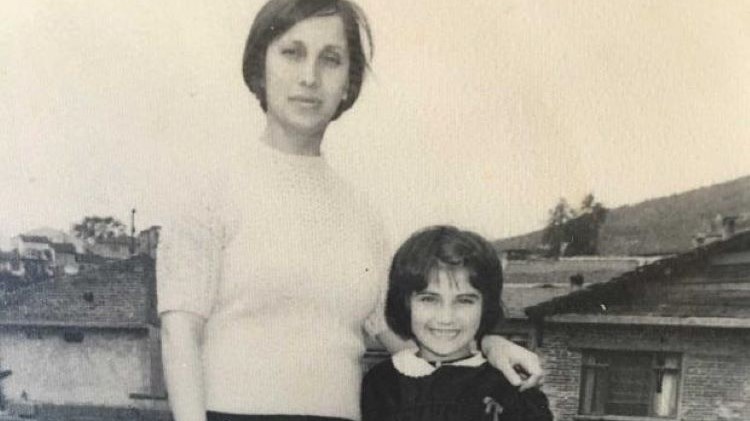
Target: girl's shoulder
x,y
527,405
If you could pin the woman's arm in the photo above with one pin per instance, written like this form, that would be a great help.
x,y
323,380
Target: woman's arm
x,y
507,356
500,352
392,342
181,336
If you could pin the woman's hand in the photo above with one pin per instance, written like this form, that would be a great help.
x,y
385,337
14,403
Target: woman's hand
x,y
513,361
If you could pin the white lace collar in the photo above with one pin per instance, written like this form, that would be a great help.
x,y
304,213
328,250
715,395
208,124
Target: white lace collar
x,y
408,364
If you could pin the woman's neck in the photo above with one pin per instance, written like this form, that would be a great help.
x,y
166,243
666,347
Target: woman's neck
x,y
292,143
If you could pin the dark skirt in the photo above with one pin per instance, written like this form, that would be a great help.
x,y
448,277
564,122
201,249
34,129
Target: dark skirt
x,y
221,416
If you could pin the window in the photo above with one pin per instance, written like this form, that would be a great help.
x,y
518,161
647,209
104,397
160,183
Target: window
x,y
630,383
74,336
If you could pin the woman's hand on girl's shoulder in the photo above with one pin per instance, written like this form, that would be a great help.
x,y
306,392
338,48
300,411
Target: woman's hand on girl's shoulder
x,y
519,365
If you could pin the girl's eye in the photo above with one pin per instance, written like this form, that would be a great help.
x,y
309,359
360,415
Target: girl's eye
x,y
429,299
467,301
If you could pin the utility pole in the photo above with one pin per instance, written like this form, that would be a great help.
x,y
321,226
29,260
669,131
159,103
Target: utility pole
x,y
132,231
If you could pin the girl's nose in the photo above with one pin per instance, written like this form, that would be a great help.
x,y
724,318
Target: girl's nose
x,y
445,314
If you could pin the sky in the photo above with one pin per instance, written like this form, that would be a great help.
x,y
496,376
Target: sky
x,y
480,113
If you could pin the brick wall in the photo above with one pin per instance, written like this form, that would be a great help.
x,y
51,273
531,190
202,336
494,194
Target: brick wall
x,y
715,375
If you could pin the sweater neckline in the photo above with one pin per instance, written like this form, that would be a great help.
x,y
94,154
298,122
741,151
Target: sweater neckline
x,y
280,155
409,364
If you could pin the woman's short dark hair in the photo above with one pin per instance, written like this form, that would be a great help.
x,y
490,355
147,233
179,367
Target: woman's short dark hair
x,y
277,16
443,248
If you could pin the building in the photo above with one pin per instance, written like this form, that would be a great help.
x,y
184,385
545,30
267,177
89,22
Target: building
x,y
57,236
83,347
65,258
10,263
91,262
148,239
25,244
668,340
112,248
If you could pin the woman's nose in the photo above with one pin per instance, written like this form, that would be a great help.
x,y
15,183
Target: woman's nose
x,y
308,74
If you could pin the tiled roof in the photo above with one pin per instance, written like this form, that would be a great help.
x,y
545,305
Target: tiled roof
x,y
561,275
613,291
34,239
517,297
102,298
93,259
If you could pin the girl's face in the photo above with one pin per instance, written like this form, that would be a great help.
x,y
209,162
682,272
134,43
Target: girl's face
x,y
306,74
445,316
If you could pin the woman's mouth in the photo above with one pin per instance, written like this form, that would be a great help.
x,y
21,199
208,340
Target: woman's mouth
x,y
304,100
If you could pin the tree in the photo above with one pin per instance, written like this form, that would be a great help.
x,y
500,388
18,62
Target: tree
x,y
94,229
571,232
554,235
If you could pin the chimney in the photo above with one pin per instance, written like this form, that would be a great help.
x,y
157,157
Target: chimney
x,y
728,224
576,282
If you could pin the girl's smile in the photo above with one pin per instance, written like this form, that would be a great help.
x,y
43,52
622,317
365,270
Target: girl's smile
x,y
445,316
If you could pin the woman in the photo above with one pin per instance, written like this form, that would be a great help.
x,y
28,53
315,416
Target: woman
x,y
265,282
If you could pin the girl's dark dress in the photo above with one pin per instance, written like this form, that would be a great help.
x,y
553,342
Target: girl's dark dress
x,y
407,388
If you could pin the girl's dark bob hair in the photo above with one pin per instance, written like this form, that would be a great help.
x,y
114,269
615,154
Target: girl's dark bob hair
x,y
443,248
277,16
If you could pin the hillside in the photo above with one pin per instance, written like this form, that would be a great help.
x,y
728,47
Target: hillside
x,y
662,225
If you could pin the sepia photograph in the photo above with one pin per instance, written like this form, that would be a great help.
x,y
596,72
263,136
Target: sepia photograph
x,y
363,210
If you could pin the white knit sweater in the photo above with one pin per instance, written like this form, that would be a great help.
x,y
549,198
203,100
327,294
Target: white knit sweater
x,y
287,264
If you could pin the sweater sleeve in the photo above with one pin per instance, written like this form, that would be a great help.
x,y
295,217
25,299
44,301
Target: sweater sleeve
x,y
375,322
188,261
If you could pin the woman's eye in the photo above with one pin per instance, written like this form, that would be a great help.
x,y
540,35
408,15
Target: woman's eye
x,y
426,299
332,59
291,52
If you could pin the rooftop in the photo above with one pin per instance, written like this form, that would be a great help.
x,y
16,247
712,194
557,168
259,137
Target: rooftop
x,y
530,282
63,248
105,298
620,295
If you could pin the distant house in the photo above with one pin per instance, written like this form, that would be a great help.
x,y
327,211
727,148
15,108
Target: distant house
x,y
65,258
25,243
10,262
148,240
113,248
86,347
669,340
57,236
91,262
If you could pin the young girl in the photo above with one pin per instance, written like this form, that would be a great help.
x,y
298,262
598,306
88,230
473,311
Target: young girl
x,y
444,293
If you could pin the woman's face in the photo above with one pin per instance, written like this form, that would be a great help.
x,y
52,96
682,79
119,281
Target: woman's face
x,y
306,74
